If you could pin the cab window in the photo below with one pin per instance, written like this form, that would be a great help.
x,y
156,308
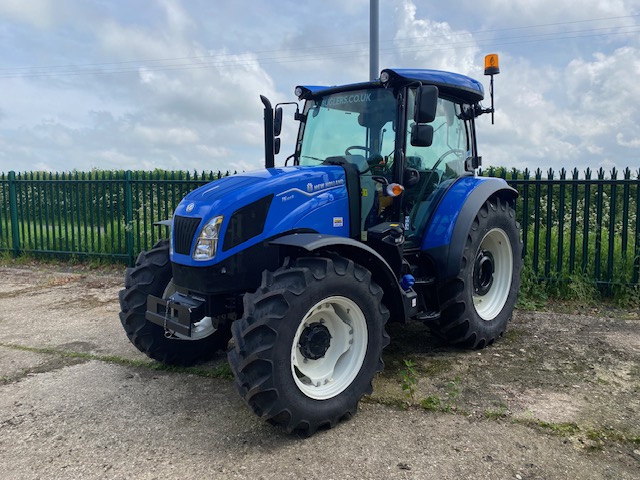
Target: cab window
x,y
438,164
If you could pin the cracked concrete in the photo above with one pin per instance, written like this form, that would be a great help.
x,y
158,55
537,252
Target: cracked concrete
x,y
67,411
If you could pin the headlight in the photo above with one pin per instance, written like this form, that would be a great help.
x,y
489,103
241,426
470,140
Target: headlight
x,y
207,242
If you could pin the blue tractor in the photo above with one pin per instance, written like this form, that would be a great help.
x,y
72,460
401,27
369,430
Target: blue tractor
x,y
377,216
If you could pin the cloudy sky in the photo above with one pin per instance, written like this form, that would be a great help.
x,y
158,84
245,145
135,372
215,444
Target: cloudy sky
x,y
175,84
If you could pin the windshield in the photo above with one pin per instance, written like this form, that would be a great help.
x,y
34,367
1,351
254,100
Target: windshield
x,y
358,125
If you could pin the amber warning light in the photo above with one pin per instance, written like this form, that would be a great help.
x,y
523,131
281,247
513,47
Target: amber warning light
x,y
491,67
491,64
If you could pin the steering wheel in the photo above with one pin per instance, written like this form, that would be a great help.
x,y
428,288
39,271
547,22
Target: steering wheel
x,y
425,185
374,159
358,147
456,151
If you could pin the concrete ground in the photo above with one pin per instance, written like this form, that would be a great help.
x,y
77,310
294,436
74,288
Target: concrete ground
x,y
77,400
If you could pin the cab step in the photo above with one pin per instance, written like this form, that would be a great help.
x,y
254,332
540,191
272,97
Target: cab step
x,y
428,316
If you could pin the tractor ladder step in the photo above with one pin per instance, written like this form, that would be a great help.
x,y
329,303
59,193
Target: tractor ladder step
x,y
425,281
427,317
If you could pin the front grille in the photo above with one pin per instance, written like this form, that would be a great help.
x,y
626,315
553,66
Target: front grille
x,y
247,222
184,229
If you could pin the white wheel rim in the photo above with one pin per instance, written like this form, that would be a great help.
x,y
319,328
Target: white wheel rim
x,y
489,305
199,330
330,375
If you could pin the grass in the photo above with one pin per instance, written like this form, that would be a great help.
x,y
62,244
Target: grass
x,y
69,236
599,436
496,414
436,403
220,371
586,279
577,291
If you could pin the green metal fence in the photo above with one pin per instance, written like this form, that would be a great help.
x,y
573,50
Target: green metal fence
x,y
579,226
571,226
98,214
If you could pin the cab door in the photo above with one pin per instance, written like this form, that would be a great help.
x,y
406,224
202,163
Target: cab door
x,y
438,164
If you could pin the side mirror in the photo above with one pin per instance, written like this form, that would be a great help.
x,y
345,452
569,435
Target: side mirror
x,y
421,135
277,122
410,178
276,146
426,104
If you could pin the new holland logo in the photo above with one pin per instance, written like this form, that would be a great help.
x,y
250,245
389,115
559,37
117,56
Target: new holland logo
x,y
190,207
309,187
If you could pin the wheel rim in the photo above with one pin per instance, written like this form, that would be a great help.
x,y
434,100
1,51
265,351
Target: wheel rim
x,y
329,348
200,329
492,274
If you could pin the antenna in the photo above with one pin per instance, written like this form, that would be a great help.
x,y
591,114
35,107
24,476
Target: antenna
x,y
374,69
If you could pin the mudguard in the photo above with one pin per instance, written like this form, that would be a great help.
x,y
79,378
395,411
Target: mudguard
x,y
395,299
447,232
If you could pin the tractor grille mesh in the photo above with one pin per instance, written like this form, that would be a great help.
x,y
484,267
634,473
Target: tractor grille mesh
x,y
184,229
247,222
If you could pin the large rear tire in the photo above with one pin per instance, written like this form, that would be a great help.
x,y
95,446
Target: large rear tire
x,y
152,275
477,305
310,343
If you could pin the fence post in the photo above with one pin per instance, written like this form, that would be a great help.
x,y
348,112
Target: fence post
x,y
128,216
13,209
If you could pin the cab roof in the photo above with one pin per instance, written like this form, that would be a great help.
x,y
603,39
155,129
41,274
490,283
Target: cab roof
x,y
451,84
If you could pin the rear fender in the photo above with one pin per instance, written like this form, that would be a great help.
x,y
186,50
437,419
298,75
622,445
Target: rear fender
x,y
447,232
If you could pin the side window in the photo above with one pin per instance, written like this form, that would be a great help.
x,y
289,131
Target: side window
x,y
441,162
450,146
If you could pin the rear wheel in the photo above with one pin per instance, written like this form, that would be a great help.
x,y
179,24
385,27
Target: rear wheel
x,y
310,343
477,304
152,275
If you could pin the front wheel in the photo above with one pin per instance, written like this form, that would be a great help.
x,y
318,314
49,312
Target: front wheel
x,y
152,275
310,343
477,305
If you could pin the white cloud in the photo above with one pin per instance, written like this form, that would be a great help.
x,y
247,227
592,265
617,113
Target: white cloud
x,y
177,19
633,143
195,70
39,13
507,13
165,136
424,43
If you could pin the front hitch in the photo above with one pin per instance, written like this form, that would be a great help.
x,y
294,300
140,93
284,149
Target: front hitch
x,y
175,314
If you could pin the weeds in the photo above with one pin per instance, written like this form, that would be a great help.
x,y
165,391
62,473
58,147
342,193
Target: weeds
x,y
533,292
409,379
454,389
497,414
564,429
432,403
435,403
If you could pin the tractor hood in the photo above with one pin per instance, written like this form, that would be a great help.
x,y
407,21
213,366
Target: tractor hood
x,y
259,205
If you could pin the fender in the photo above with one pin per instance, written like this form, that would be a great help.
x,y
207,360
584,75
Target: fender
x,y
446,235
395,299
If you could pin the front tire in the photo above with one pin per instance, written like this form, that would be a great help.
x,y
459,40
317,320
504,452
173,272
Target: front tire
x,y
152,275
477,304
310,343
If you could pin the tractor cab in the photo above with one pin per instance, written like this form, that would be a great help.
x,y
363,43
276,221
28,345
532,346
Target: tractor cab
x,y
409,136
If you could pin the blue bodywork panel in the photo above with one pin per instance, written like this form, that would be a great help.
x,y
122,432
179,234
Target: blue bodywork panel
x,y
467,88
440,229
304,198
